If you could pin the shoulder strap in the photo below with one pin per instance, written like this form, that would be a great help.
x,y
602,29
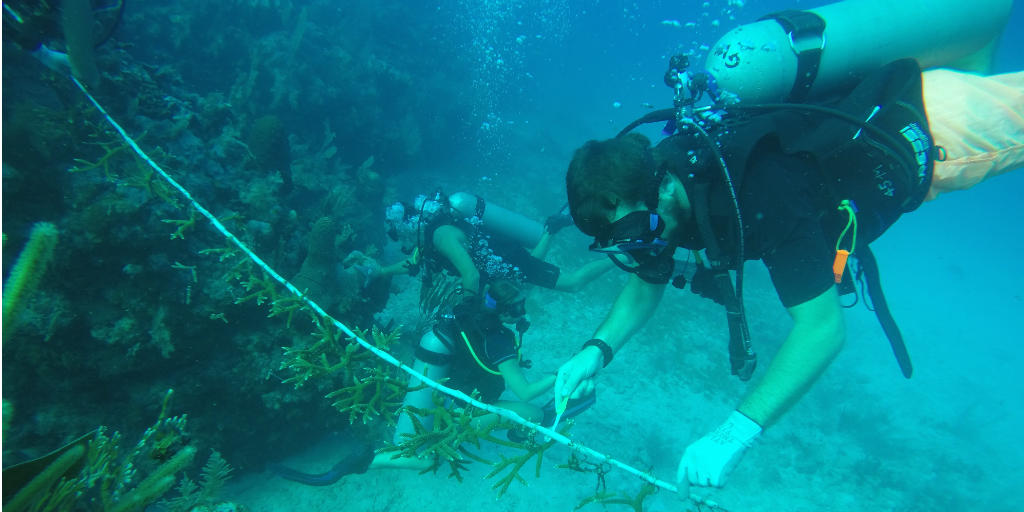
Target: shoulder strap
x,y
806,30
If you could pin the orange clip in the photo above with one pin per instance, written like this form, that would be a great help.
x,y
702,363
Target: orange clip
x,y
839,266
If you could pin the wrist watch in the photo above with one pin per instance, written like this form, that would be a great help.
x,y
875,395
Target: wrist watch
x,y
605,349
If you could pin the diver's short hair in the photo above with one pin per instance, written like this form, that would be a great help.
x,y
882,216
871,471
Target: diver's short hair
x,y
605,173
504,291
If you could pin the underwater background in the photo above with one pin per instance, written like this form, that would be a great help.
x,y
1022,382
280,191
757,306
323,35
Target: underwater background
x,y
279,114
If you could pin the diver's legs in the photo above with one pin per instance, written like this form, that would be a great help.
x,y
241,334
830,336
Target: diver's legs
x,y
385,461
978,121
526,410
541,250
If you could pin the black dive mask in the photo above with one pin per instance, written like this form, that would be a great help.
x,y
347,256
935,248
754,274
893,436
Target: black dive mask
x,y
638,237
514,310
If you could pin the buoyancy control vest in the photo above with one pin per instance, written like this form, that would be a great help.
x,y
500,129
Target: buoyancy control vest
x,y
873,148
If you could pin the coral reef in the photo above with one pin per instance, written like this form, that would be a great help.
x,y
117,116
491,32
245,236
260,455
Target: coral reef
x,y
97,471
235,100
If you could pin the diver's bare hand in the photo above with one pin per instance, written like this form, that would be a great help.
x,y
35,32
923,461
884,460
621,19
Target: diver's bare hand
x,y
575,377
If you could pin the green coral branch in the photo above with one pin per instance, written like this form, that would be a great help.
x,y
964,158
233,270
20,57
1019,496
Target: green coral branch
x,y
531,448
266,290
376,395
183,225
111,150
222,253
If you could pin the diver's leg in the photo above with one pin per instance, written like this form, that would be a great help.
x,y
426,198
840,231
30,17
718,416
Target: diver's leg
x,y
978,121
385,461
577,279
541,250
526,410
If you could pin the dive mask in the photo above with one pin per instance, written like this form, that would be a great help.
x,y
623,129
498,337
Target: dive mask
x,y
637,236
513,310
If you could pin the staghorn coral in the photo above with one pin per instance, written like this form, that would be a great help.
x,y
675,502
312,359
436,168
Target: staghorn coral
x,y
454,430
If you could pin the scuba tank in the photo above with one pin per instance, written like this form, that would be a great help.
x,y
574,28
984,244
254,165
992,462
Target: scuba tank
x,y
793,56
498,220
433,360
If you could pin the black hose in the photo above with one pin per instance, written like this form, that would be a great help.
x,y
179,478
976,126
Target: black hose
x,y
892,331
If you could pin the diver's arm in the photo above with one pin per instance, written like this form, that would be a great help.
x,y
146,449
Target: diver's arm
x,y
632,309
402,267
516,380
575,281
448,241
816,338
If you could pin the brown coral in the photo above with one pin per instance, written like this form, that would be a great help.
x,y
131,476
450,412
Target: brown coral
x,y
318,276
268,142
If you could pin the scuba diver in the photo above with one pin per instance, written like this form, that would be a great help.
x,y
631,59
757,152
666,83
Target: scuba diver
x,y
63,33
479,242
802,181
475,349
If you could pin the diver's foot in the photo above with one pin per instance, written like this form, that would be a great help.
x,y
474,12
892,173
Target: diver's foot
x,y
517,436
369,272
355,463
558,221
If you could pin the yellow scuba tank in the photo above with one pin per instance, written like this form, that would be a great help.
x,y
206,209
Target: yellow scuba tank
x,y
776,59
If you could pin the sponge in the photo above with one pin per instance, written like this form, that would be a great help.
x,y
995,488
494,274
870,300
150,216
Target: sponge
x,y
28,270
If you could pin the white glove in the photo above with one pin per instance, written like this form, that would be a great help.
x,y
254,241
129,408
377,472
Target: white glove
x,y
710,460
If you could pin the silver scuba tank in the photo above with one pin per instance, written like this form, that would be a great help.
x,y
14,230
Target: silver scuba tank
x,y
759,61
498,220
432,348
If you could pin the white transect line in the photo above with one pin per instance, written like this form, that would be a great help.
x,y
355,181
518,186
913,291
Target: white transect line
x,y
505,413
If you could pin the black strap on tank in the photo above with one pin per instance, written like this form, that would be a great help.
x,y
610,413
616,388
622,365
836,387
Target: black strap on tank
x,y
481,205
433,358
801,26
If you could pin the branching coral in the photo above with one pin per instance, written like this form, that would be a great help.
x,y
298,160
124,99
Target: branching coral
x,y
379,394
454,430
95,472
